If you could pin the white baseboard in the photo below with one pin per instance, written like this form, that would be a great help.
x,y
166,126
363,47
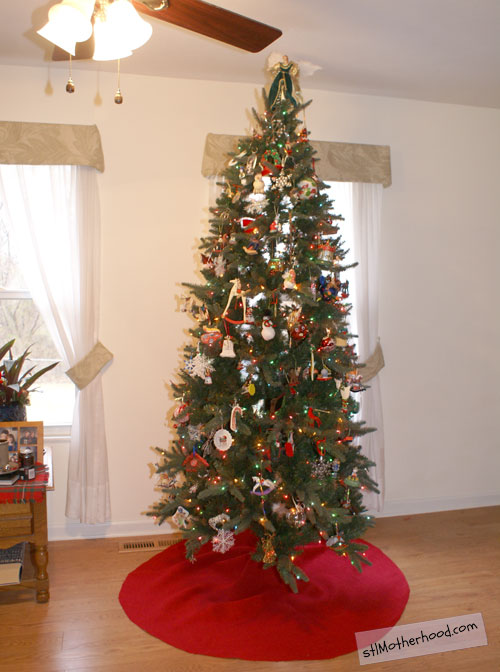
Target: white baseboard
x,y
73,530
136,528
415,506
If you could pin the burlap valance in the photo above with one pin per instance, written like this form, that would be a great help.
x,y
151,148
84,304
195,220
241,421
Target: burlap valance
x,y
338,161
27,143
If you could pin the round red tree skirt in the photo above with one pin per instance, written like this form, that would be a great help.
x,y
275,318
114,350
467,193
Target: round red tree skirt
x,y
226,605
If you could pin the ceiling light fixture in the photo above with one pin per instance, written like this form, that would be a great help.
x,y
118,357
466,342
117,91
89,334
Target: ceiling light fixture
x,y
118,29
69,23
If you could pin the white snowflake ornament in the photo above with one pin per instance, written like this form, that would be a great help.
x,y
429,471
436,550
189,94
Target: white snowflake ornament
x,y
223,541
200,366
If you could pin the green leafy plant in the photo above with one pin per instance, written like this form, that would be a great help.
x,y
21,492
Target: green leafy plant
x,y
15,382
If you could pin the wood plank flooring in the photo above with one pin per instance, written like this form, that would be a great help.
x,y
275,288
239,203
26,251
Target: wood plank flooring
x,y
450,559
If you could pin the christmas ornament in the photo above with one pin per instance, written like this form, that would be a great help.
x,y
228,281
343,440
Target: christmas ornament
x,y
296,516
186,303
235,410
219,266
274,227
319,446
321,468
303,135
327,344
252,247
251,164
262,486
200,366
222,440
289,279
207,262
220,519
299,332
353,480
181,518
249,387
275,265
356,383
267,546
250,319
212,337
248,225
238,295
285,83
181,415
336,541
335,467
328,287
271,161
228,348
194,462
290,446
307,188
283,181
324,374
326,252
345,393
279,509
258,184
224,539
194,432
256,203
314,418
267,331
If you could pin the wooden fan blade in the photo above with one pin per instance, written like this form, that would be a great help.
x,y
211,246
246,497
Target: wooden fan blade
x,y
83,51
215,22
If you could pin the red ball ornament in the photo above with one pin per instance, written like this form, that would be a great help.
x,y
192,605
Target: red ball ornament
x,y
299,332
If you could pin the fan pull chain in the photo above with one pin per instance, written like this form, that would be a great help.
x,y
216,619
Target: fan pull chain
x,y
118,94
70,85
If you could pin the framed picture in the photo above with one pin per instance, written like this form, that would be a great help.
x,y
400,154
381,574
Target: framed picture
x,y
23,435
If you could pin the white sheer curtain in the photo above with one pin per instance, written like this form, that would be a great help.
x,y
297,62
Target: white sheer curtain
x,y
55,220
366,219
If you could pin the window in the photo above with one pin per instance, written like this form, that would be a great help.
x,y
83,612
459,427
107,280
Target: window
x,y
340,193
52,398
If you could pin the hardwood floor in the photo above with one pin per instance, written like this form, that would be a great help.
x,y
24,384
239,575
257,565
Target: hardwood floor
x,y
450,559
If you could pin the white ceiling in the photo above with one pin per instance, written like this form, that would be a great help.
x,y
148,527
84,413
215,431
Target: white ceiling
x,y
436,50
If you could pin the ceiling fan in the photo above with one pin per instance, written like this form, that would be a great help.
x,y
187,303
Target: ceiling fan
x,y
195,15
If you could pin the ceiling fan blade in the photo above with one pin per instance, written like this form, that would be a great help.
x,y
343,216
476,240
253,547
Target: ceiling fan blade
x,y
83,51
215,22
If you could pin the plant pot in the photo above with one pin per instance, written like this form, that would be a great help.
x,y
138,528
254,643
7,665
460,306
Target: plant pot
x,y
13,413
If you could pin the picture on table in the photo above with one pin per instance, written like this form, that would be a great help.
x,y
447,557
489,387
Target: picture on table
x,y
21,435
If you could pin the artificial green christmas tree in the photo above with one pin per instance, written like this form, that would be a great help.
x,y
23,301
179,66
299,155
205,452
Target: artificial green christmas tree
x,y
267,396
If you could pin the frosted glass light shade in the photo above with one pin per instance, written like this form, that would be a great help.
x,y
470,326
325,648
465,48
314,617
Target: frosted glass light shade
x,y
119,32
69,23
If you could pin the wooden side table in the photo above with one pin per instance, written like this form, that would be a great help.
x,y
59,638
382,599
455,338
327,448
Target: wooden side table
x,y
23,517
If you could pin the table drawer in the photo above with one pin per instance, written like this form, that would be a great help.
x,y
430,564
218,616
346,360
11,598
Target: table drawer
x,y
15,520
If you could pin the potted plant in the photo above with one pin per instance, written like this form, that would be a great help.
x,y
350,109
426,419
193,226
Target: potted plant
x,y
15,383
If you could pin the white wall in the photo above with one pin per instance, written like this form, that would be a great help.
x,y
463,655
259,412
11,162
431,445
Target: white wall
x,y
439,319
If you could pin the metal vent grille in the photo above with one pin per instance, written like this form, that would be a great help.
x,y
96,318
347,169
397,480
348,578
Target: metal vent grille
x,y
148,544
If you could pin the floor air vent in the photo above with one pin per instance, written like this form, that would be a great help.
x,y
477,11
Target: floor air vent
x,y
148,544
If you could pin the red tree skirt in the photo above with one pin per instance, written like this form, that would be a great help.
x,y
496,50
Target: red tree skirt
x,y
228,606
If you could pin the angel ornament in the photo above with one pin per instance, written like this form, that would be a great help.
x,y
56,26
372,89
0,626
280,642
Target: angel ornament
x,y
282,87
285,85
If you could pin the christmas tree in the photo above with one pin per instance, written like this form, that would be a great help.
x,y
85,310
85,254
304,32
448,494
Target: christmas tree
x,y
265,422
